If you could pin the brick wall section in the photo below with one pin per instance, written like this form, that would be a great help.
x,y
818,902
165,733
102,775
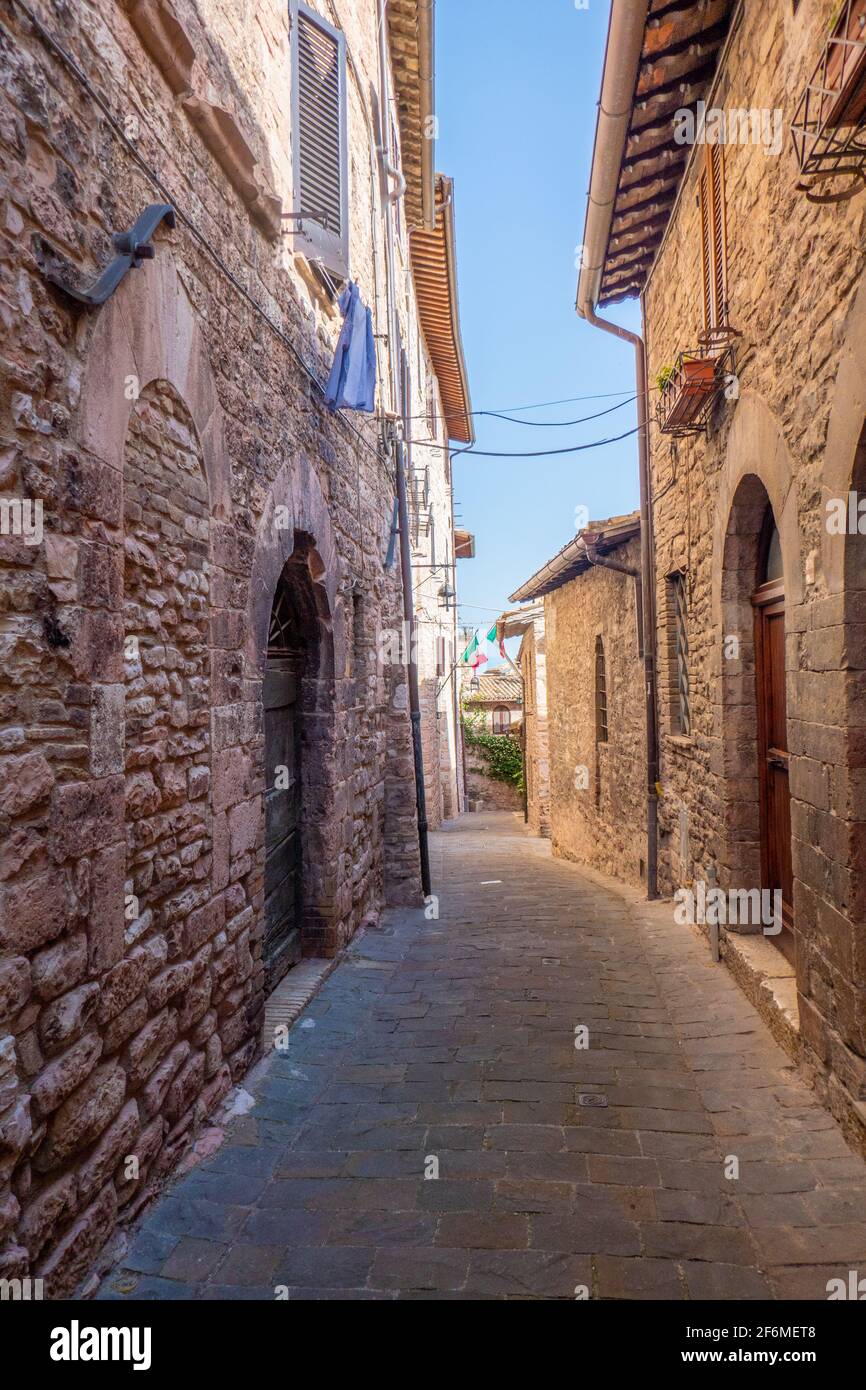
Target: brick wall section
x,y
796,295
597,797
162,432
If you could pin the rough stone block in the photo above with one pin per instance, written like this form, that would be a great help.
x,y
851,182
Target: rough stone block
x,y
61,1022
25,782
33,912
85,817
107,730
15,985
61,1077
83,1116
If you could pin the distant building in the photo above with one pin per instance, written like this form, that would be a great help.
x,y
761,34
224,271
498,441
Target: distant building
x,y
587,645
498,697
528,624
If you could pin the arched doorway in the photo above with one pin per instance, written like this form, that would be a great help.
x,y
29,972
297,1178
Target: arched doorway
x,y
292,657
756,589
768,602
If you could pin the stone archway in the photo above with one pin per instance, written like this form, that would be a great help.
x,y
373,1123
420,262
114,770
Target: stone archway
x,y
297,711
739,580
295,555
756,481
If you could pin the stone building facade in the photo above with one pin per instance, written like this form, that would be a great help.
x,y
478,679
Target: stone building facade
x,y
435,548
759,586
594,699
496,697
528,625
206,766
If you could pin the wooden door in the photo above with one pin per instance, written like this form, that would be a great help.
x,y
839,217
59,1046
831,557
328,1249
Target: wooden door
x,y
775,795
282,942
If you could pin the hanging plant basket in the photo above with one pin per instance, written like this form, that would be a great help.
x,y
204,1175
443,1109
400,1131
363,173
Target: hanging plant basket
x,y
688,388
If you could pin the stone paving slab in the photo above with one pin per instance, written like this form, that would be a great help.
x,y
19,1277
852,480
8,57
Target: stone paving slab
x,y
450,1045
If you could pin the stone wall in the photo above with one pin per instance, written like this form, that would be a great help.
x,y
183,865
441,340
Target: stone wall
x,y
597,789
183,456
532,660
487,794
797,298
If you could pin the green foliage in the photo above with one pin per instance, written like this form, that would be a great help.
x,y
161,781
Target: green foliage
x,y
665,376
502,753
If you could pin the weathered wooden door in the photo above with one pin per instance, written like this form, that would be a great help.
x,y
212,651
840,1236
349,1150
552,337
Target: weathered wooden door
x,y
282,943
775,795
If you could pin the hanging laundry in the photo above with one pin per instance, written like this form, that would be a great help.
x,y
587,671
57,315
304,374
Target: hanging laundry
x,y
352,383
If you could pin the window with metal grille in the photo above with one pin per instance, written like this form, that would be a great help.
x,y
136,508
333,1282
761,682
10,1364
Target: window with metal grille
x,y
319,140
713,238
678,647
600,693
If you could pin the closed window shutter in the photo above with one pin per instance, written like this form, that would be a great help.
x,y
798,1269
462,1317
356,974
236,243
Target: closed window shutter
x,y
720,289
706,251
713,238
320,140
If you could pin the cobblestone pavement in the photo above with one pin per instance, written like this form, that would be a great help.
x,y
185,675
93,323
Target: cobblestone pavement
x,y
454,1040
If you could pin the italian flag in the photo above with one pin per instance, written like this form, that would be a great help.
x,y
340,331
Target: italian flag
x,y
474,654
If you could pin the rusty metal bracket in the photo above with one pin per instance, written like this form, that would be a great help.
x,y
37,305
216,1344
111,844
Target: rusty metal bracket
x,y
132,247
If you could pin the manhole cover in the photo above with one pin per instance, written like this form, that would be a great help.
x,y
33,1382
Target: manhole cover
x,y
592,1100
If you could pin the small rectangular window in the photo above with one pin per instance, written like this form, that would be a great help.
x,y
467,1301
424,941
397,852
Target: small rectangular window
x,y
600,693
440,656
678,654
320,140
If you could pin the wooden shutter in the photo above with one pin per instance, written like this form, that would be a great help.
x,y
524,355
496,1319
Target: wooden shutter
x,y
319,138
717,177
706,251
713,238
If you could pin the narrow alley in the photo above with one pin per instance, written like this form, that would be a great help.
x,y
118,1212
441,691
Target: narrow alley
x,y
430,1130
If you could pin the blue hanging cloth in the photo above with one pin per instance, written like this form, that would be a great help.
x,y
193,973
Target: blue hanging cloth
x,y
352,383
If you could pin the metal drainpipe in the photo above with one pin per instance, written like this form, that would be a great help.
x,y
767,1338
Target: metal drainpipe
x,y
607,564
400,468
648,590
412,669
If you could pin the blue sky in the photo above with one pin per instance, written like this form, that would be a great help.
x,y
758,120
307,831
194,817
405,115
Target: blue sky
x,y
517,88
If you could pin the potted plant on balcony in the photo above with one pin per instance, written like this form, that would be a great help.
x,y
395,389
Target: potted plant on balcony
x,y
845,72
685,389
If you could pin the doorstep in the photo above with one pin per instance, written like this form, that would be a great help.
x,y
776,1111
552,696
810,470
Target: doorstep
x,y
292,995
769,982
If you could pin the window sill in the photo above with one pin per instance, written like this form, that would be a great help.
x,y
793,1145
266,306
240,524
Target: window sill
x,y
684,741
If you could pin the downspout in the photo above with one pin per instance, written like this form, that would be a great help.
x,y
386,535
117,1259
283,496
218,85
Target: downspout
x,y
427,82
399,455
621,65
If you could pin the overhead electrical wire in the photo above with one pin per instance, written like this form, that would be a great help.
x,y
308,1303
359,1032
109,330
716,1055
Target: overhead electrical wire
x,y
557,424
540,405
549,453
